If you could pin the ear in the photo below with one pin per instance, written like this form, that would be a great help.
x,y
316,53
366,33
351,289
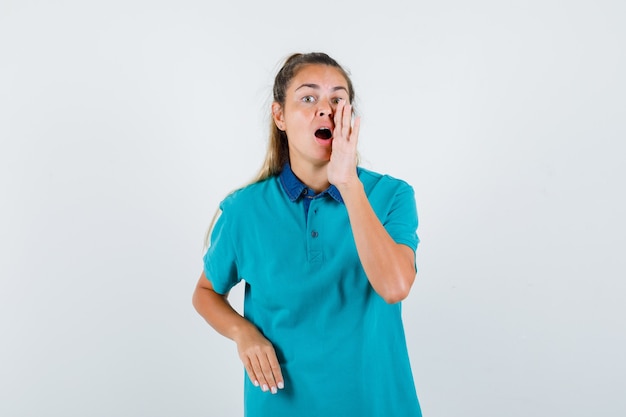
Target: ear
x,y
277,115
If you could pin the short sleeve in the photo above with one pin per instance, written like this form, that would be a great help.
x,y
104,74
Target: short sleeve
x,y
220,259
401,221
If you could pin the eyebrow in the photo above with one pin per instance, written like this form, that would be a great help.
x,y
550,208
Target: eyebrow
x,y
317,87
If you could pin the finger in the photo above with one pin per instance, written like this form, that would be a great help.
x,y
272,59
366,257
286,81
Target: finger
x,y
259,374
338,119
268,374
354,135
278,375
346,122
250,372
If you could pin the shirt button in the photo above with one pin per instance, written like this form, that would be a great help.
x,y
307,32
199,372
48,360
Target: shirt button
x,y
314,233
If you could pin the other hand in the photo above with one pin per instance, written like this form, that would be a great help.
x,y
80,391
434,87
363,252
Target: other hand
x,y
259,358
343,159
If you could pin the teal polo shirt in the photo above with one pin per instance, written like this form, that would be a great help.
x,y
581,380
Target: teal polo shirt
x,y
341,347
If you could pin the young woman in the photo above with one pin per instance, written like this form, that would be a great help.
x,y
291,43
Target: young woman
x,y
327,252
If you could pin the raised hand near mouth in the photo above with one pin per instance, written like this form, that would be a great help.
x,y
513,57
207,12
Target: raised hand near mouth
x,y
343,158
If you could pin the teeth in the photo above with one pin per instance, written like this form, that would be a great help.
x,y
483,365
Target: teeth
x,y
323,133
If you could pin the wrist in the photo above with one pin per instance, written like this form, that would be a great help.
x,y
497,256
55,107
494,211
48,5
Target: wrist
x,y
347,189
241,329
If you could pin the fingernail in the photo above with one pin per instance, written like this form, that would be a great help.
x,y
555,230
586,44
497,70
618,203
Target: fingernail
x,y
274,390
281,385
265,388
256,383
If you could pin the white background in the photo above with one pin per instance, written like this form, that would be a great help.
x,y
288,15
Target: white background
x,y
124,123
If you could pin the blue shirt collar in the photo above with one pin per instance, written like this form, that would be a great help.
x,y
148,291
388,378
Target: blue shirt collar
x,y
296,188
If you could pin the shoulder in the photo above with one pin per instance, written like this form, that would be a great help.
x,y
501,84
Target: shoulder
x,y
376,181
243,197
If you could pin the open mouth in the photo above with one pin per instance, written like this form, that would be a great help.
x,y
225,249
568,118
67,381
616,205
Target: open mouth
x,y
323,133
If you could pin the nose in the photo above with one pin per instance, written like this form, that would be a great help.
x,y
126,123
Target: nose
x,y
325,109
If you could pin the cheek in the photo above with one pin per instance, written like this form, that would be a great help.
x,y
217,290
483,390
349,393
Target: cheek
x,y
296,118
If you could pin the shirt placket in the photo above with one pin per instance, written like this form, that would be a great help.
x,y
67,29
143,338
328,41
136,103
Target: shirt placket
x,y
313,235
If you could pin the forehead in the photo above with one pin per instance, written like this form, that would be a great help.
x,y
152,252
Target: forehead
x,y
325,76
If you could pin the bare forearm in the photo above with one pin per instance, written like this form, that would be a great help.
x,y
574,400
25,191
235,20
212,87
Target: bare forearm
x,y
218,312
389,266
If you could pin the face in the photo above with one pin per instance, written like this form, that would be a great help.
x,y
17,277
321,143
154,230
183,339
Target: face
x,y
307,115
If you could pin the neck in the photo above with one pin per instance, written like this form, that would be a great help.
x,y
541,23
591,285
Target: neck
x,y
314,177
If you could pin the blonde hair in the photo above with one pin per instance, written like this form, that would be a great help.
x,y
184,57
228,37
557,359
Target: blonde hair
x,y
277,154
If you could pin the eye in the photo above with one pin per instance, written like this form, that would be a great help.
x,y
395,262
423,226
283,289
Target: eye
x,y
336,100
308,99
